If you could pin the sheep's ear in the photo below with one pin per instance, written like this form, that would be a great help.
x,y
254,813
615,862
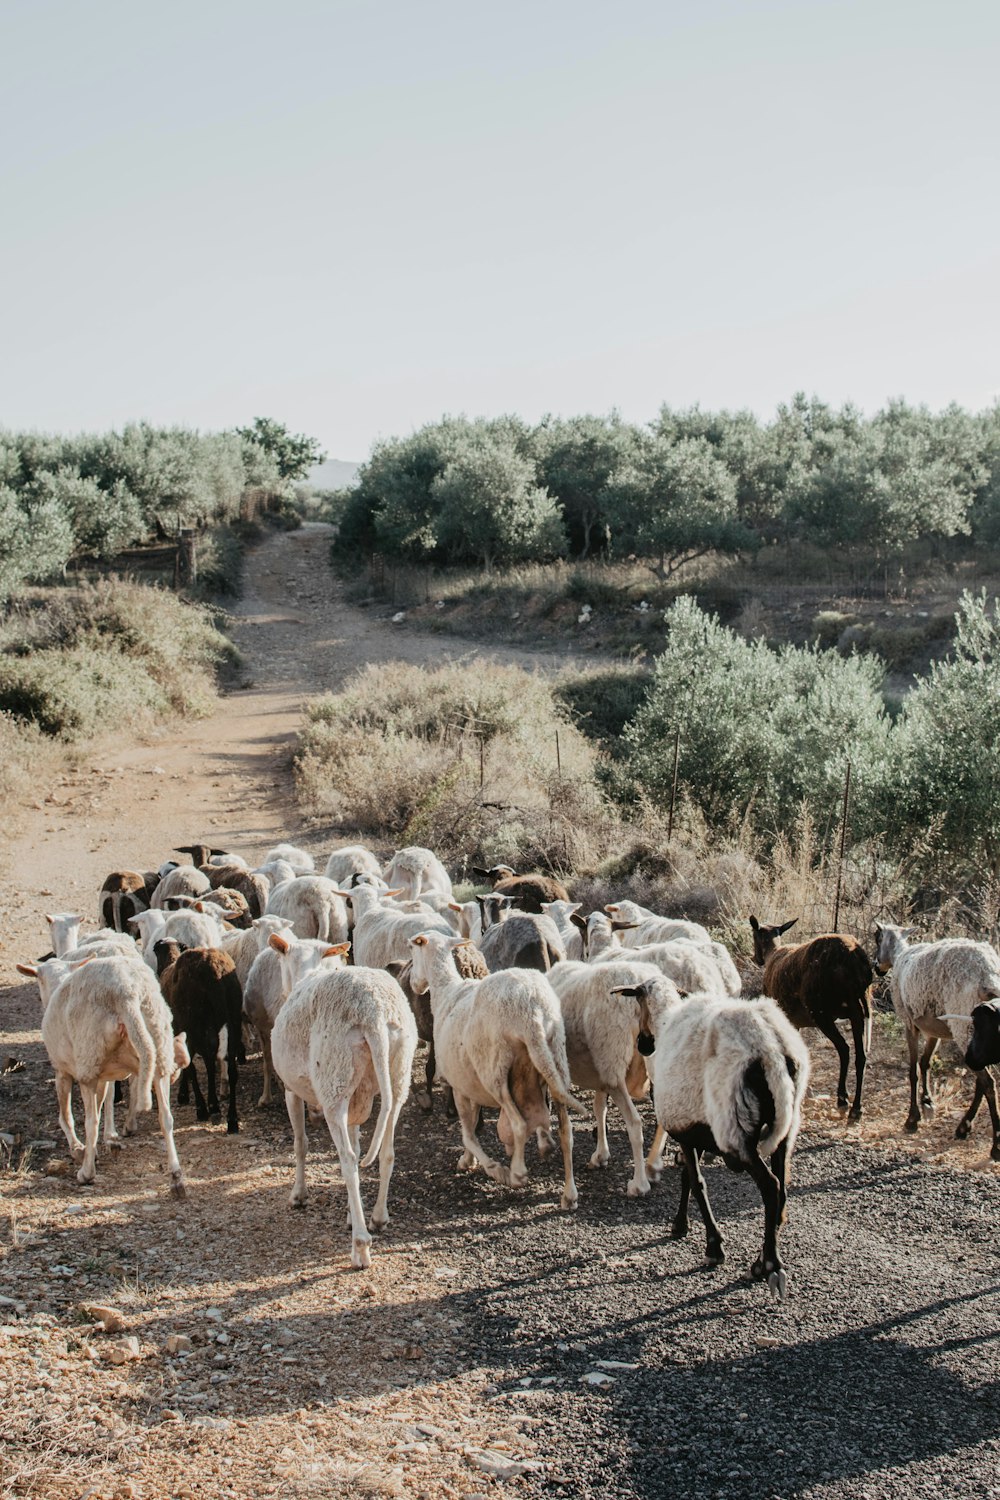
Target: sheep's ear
x,y
454,906
577,920
336,950
622,926
399,891
212,853
633,991
611,908
754,923
420,941
344,895
198,905
507,900
279,943
29,969
481,901
395,967
81,961
48,918
478,870
785,925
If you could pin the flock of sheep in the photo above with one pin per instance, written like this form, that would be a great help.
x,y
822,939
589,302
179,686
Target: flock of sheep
x,y
521,1000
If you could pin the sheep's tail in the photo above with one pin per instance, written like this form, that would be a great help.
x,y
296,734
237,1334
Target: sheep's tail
x,y
765,1097
323,922
131,1018
551,1061
377,1038
116,913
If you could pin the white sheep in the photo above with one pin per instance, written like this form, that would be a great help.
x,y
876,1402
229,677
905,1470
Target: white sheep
x,y
313,905
64,931
382,934
276,872
640,926
729,1077
270,981
340,1037
602,1030
417,870
570,926
499,1042
934,988
692,968
244,946
180,880
105,1019
351,860
301,862
151,926
193,928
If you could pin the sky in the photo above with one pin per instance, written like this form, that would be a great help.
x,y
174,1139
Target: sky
x,y
356,217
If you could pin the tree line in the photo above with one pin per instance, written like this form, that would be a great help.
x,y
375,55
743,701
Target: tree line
x,y
62,498
499,491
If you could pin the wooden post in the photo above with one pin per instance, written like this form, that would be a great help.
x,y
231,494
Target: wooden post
x,y
843,840
186,561
673,785
482,762
558,758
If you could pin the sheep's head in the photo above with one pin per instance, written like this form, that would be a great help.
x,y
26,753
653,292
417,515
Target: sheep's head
x,y
494,908
984,1045
765,939
889,943
425,950
640,993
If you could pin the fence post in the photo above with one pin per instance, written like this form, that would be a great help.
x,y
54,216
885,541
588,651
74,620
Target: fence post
x,y
843,840
186,559
558,758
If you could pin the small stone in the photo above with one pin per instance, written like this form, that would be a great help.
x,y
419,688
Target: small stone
x,y
286,1336
596,1377
127,1349
178,1343
214,1314
109,1318
57,1167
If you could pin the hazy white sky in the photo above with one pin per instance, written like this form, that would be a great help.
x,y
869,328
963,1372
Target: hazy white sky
x,y
357,216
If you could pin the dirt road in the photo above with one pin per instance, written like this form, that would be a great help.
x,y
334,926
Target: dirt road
x,y
497,1345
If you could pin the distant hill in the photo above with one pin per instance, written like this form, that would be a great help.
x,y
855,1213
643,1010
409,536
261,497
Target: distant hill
x,y
334,474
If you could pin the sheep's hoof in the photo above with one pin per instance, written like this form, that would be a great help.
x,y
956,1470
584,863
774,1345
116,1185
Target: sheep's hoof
x,y
201,1114
679,1229
499,1174
264,1101
654,1170
777,1284
855,1114
567,1203
546,1145
84,1179
599,1159
714,1253
995,1151
361,1255
927,1105
379,1223
178,1188
424,1102
842,1101
963,1130
637,1189
232,1127
912,1122
520,1180
77,1151
297,1200
115,1144
131,1129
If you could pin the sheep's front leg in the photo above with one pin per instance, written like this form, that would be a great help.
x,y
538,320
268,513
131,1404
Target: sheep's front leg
x,y
267,1094
985,1089
132,1111
232,1074
468,1117
602,1154
297,1115
570,1196
639,1185
190,1074
340,1132
654,1161
212,1074
926,1100
860,1059
92,1120
161,1084
64,1094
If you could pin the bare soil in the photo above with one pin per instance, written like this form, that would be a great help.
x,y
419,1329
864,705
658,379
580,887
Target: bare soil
x,y
495,1344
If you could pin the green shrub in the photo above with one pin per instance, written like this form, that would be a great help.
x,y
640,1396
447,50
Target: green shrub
x,y
603,702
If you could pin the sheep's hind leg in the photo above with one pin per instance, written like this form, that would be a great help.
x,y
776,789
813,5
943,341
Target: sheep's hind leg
x,y
860,1059
694,1181
769,1264
570,1196
468,1115
926,1099
112,1140
912,1120
829,1030
200,1107
602,1154
92,1098
985,1089
341,1133
654,1161
161,1084
297,1116
519,1131
64,1094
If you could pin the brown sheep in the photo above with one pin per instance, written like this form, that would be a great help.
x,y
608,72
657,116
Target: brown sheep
x,y
254,889
817,984
529,892
204,995
124,894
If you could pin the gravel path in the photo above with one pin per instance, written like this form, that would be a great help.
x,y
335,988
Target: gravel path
x,y
458,1365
